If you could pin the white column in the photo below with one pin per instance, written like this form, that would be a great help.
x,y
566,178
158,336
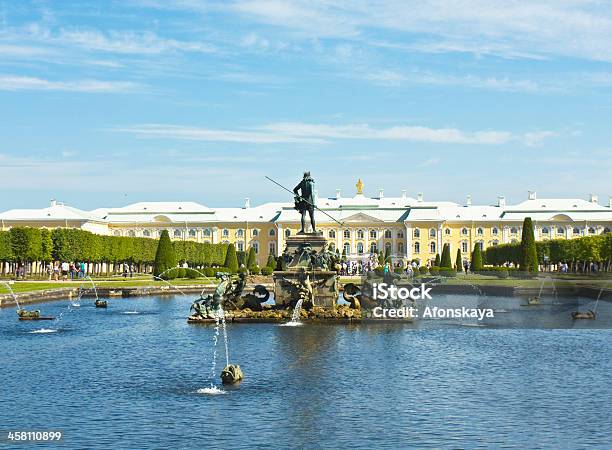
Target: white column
x,y
339,239
439,246
408,241
215,235
279,239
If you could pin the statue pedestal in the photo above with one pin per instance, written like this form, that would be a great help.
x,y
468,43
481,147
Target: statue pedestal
x,y
301,269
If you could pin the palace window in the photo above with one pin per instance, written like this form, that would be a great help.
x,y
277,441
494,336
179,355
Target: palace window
x,y
576,230
494,231
416,233
255,232
400,234
400,247
146,233
388,248
591,230
480,244
332,234
272,232
373,234
360,248
373,247
240,246
272,248
432,232
347,248
447,231
225,233
606,230
513,230
464,231
387,234
464,247
178,232
417,247
255,246
479,231
560,230
495,242
131,233
192,232
206,232
545,230
287,232
432,247
239,232
347,234
359,234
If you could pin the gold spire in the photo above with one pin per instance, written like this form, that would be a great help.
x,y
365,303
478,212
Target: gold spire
x,y
359,186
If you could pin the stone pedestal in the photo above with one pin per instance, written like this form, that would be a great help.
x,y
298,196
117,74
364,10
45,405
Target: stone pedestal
x,y
302,269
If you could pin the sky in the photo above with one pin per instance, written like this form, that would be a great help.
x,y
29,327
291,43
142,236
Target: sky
x,y
105,103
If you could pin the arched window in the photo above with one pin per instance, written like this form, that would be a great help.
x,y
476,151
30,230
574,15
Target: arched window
x,y
606,230
206,232
373,247
400,247
360,248
576,230
400,234
255,232
225,232
464,231
464,247
417,247
388,248
178,232
332,234
359,234
272,232
347,234
545,230
192,232
479,231
591,230
387,234
146,233
373,234
432,232
287,232
239,232
513,230
560,230
131,233
416,233
432,247
495,242
494,231
347,248
272,248
255,246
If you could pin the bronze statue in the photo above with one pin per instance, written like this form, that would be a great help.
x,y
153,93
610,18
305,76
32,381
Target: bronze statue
x,y
305,289
305,201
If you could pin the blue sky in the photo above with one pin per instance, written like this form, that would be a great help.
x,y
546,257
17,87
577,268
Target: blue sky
x,y
106,103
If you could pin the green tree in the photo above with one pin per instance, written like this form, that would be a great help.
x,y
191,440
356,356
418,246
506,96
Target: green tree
x,y
387,254
458,261
529,255
271,263
251,260
46,245
445,260
164,257
231,259
437,261
476,263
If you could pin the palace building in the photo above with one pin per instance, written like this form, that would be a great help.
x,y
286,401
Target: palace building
x,y
408,228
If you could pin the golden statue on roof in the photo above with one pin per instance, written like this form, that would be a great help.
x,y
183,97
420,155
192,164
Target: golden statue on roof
x,y
359,186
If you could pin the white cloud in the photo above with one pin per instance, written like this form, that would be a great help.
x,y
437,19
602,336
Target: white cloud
x,y
23,83
296,132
